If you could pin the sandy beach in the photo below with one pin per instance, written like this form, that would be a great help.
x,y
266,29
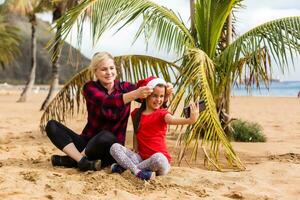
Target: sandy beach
x,y
273,168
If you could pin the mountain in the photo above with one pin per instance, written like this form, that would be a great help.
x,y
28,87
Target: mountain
x,y
17,72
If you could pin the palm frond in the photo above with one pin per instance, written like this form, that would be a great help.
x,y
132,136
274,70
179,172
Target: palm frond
x,y
103,15
170,32
69,99
210,17
208,122
137,67
257,69
184,81
279,39
9,42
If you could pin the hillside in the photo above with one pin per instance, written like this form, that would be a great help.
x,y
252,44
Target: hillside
x,y
18,70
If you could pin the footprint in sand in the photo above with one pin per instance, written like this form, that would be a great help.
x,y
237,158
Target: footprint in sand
x,y
288,157
30,176
49,188
234,195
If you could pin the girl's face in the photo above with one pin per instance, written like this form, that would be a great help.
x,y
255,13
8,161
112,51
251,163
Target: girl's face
x,y
156,99
106,72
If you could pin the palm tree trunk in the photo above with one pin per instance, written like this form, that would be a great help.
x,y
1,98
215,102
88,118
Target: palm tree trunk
x,y
228,85
227,90
192,10
31,77
55,58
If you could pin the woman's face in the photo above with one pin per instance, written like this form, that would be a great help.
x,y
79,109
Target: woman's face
x,y
106,72
156,99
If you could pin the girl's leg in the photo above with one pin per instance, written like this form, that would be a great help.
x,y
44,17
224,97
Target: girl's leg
x,y
125,157
157,163
99,146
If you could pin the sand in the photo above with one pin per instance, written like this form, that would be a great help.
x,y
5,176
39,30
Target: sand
x,y
273,168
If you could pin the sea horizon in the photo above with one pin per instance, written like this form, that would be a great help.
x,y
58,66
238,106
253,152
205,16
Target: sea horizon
x,y
276,89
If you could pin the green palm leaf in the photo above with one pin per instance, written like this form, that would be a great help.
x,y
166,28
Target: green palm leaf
x,y
105,14
9,42
214,136
210,17
69,100
278,39
170,32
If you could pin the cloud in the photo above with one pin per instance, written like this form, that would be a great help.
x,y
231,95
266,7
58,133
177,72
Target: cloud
x,y
248,19
273,4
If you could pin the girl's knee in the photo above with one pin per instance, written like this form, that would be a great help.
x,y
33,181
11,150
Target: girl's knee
x,y
160,157
160,163
115,148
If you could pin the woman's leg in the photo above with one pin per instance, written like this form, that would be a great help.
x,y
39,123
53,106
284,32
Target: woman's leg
x,y
125,157
158,163
70,143
65,139
99,146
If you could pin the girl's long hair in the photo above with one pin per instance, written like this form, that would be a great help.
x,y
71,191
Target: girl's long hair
x,y
137,118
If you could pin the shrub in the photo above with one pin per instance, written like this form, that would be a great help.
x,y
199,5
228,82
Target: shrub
x,y
244,131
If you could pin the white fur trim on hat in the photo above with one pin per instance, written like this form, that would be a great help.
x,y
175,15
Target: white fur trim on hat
x,y
155,82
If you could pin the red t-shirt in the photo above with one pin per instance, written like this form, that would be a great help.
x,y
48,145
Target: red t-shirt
x,y
152,134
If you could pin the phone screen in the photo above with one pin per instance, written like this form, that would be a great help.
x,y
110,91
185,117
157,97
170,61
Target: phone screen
x,y
187,110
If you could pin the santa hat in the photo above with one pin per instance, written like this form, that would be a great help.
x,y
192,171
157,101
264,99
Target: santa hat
x,y
151,82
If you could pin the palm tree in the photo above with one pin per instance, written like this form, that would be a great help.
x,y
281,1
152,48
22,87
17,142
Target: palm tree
x,y
207,69
28,8
9,41
59,7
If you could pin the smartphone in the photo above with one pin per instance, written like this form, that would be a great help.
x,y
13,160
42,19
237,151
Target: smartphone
x,y
187,110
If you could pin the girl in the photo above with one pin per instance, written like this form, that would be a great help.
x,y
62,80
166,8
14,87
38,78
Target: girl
x,y
149,155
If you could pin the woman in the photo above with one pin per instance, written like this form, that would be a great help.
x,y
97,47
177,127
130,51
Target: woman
x,y
108,105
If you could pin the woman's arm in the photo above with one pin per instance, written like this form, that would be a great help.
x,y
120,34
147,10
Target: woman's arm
x,y
170,119
140,93
93,94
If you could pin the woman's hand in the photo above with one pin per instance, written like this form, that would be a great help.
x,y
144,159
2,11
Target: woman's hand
x,y
140,93
194,112
143,92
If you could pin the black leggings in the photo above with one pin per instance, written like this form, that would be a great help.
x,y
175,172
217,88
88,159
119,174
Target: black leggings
x,y
96,148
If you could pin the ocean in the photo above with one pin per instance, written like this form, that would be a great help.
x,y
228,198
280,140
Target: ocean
x,y
278,89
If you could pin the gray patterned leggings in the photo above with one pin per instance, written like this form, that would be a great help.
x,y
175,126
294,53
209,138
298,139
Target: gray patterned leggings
x,y
130,160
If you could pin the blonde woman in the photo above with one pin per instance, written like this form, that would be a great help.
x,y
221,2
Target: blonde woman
x,y
108,105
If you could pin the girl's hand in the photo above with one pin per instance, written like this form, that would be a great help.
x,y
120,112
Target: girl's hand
x,y
194,112
169,89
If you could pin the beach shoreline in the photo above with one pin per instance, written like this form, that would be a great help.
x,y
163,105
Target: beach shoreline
x,y
272,167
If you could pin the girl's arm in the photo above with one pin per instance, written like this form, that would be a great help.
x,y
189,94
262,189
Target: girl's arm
x,y
170,119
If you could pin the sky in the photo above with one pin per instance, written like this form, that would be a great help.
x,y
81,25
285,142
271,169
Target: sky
x,y
255,13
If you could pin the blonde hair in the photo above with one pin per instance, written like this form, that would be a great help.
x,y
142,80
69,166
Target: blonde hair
x,y
98,58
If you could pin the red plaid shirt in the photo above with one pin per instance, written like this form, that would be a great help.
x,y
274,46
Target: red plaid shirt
x,y
106,111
